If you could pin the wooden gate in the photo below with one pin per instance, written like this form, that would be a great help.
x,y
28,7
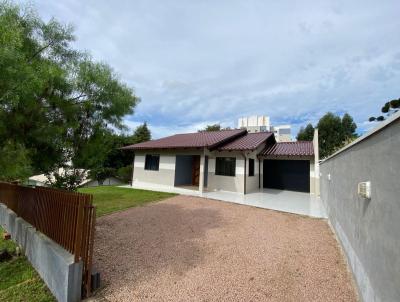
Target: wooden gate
x,y
68,218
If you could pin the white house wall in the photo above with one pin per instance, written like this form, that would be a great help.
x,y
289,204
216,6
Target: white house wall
x,y
164,176
166,173
253,182
225,183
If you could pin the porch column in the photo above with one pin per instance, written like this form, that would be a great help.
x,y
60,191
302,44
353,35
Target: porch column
x,y
316,163
201,177
261,167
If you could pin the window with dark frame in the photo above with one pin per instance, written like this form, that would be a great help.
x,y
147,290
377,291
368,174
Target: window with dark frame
x,y
251,167
152,162
225,166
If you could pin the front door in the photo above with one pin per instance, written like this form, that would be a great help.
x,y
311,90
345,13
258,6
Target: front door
x,y
196,170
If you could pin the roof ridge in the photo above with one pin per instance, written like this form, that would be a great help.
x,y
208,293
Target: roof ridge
x,y
295,142
204,131
205,139
262,132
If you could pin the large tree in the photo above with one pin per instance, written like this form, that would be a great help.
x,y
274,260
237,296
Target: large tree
x,y
141,134
388,109
56,104
333,132
112,160
349,127
306,134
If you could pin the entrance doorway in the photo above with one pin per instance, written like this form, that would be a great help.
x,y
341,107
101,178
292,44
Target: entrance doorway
x,y
187,170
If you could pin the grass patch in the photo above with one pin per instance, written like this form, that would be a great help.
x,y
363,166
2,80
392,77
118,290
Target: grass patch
x,y
109,199
8,245
32,290
18,280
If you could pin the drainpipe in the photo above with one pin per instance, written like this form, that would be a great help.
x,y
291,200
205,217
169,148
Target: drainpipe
x,y
133,169
245,165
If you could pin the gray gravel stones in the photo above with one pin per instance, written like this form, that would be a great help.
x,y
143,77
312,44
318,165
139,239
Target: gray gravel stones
x,y
195,249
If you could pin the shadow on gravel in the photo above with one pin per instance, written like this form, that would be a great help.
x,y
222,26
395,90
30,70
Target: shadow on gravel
x,y
133,245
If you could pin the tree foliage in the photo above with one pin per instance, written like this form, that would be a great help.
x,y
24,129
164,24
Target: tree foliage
x,y
141,134
112,161
333,132
387,109
14,162
349,127
306,134
66,178
214,127
56,103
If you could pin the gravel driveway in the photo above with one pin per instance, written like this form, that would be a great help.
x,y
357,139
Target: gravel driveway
x,y
194,249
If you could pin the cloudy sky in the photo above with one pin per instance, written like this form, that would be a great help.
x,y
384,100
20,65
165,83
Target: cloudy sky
x,y
194,63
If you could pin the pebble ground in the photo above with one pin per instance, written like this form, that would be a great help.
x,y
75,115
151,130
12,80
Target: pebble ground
x,y
195,249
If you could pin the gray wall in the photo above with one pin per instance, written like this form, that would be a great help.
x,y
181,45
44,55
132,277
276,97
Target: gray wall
x,y
369,230
183,170
53,263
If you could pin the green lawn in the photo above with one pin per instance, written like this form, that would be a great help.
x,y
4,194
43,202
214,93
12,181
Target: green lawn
x,y
108,199
18,280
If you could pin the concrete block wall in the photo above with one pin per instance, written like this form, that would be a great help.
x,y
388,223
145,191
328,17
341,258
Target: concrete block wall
x,y
53,263
368,229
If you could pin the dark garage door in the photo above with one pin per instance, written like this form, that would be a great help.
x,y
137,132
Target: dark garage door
x,y
291,175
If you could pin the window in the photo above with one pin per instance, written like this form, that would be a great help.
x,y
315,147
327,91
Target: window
x,y
251,167
225,166
152,162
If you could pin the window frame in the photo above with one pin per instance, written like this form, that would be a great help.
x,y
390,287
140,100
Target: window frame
x,y
152,162
221,168
251,167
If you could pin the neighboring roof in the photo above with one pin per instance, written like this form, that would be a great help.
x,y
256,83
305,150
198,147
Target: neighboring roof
x,y
250,141
299,148
42,178
210,139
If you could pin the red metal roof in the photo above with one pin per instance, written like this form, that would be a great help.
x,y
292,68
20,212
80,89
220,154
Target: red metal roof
x,y
209,139
300,148
250,141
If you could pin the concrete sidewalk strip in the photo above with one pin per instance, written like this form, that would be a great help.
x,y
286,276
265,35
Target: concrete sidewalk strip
x,y
189,248
279,200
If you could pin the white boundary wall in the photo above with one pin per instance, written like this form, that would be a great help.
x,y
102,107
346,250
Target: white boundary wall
x,y
53,263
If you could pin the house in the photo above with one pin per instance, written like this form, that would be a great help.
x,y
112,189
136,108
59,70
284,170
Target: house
x,y
227,160
42,180
109,181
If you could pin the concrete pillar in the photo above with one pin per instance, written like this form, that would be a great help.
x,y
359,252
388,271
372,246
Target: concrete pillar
x,y
316,162
261,173
201,177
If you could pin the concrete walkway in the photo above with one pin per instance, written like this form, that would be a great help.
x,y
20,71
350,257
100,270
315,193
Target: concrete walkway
x,y
279,200
284,201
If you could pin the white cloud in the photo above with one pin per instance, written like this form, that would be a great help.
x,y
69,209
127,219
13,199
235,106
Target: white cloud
x,y
199,62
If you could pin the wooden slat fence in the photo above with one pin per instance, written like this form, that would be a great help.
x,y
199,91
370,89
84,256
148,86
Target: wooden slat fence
x,y
68,218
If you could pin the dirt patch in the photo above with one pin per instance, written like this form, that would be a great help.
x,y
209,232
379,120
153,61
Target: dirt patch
x,y
195,249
